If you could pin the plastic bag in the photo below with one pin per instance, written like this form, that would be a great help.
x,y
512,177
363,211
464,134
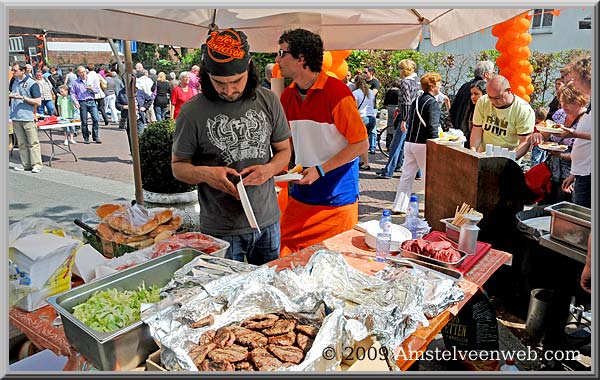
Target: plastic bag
x,y
30,226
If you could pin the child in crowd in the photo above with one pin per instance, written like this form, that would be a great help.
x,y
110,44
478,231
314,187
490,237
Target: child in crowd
x,y
538,154
66,110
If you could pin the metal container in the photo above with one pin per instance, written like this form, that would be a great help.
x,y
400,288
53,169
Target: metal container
x,y
452,231
128,347
570,223
413,255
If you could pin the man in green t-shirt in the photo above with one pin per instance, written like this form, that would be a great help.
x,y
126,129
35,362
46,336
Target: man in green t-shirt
x,y
502,119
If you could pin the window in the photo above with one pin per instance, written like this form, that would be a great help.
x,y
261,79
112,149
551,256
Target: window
x,y
15,45
542,21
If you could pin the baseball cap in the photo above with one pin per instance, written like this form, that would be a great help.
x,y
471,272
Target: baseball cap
x,y
226,52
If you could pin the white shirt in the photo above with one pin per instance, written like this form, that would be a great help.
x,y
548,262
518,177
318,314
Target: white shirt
x,y
581,154
92,77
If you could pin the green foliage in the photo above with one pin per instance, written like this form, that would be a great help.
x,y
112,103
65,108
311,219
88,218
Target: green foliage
x,y
146,53
546,68
260,61
155,159
164,65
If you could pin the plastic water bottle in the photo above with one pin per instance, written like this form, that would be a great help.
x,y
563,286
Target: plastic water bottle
x,y
384,237
509,365
412,215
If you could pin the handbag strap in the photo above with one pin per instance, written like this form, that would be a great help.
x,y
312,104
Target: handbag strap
x,y
361,103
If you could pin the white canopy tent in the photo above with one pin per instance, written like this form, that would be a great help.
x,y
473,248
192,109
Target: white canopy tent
x,y
341,29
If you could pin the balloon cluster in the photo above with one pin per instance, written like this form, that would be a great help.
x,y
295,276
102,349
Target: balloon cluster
x,y
513,62
334,64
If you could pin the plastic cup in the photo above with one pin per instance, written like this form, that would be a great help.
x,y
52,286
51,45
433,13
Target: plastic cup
x,y
497,150
489,149
504,152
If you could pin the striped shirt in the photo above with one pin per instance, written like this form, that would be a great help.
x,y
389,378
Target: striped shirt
x,y
45,88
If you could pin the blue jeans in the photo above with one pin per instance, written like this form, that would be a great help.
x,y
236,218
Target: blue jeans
x,y
396,153
160,113
85,107
257,248
538,155
582,190
48,105
372,132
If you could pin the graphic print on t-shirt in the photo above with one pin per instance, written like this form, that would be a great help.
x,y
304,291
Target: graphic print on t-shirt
x,y
240,139
496,125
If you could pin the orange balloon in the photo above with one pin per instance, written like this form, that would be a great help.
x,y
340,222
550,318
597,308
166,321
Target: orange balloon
x,y
332,74
510,36
503,61
327,60
338,57
524,53
528,70
529,89
275,72
507,73
524,39
499,29
342,69
520,91
502,45
526,98
522,25
341,53
519,65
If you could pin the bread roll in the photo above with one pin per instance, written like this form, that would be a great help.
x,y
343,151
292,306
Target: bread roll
x,y
163,216
161,228
175,222
142,244
105,231
134,238
122,221
163,235
108,208
296,169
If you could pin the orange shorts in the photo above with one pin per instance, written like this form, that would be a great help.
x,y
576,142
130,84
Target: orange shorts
x,y
303,225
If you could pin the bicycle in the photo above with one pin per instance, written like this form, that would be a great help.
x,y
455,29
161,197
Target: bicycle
x,y
383,140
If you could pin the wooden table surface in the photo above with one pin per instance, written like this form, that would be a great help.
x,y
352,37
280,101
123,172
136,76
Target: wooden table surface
x,y
37,325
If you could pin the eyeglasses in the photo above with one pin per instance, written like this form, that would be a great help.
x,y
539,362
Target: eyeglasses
x,y
282,52
499,95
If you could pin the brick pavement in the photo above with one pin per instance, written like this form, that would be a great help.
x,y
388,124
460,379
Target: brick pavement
x,y
111,160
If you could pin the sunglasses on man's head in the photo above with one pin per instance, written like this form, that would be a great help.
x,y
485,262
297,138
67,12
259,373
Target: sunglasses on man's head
x,y
282,52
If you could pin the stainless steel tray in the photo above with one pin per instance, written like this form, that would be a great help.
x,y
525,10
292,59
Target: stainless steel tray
x,y
570,223
128,347
452,231
413,255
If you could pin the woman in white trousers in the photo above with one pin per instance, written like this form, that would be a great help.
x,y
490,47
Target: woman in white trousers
x,y
423,124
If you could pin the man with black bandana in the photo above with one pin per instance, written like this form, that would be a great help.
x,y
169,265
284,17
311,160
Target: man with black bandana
x,y
233,129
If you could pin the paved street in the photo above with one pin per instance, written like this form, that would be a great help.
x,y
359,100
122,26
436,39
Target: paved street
x,y
105,171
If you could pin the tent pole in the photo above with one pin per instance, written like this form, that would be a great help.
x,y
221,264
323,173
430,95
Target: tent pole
x,y
135,152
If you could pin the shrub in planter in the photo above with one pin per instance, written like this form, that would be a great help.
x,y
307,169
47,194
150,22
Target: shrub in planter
x,y
155,159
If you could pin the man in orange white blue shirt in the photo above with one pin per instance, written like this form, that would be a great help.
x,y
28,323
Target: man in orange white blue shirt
x,y
328,136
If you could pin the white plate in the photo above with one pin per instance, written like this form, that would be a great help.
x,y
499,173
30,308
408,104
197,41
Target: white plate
x,y
556,148
559,131
288,177
246,205
399,234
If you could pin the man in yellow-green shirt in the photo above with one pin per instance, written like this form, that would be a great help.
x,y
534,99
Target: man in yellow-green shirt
x,y
501,118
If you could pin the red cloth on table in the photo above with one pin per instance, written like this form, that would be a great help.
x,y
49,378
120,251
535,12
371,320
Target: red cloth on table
x,y
480,249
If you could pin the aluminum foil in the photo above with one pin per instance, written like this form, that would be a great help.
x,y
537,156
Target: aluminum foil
x,y
390,305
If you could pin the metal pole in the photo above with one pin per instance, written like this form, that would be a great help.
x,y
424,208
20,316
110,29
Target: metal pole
x,y
115,51
135,152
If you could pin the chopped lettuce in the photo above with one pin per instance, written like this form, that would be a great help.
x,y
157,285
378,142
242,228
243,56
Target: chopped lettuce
x,y
112,309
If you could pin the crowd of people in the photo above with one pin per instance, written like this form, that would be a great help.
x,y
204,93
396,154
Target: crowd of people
x,y
234,127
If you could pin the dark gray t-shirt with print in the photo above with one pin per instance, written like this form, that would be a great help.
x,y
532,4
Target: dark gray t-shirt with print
x,y
237,135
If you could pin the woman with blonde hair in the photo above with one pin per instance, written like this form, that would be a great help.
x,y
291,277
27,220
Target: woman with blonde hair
x,y
161,101
423,123
409,89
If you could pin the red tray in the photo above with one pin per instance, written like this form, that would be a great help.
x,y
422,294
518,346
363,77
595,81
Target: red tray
x,y
480,249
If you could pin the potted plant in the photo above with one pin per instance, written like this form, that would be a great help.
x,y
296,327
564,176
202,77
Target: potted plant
x,y
160,187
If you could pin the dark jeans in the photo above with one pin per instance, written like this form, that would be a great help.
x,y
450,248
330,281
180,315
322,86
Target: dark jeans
x,y
582,190
85,107
100,105
141,125
372,132
160,112
257,248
